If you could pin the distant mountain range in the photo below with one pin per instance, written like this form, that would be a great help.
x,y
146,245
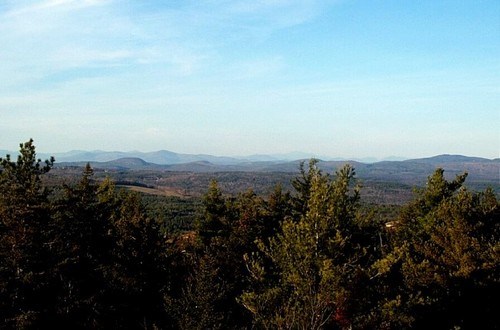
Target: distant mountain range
x,y
388,181
165,157
410,171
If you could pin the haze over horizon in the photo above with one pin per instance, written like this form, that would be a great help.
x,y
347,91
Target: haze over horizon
x,y
169,157
342,78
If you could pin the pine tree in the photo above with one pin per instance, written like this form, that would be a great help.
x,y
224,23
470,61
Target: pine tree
x,y
85,243
139,274
315,264
25,239
443,268
214,222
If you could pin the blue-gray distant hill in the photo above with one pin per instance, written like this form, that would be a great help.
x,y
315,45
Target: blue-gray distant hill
x,y
387,182
165,157
162,157
482,172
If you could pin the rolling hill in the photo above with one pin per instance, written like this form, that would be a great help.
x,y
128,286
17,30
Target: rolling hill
x,y
189,175
386,181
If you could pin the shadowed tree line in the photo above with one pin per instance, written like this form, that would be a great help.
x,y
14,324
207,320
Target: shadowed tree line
x,y
90,256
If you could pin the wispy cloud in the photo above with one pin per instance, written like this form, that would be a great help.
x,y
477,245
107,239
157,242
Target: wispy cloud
x,y
44,37
51,5
77,56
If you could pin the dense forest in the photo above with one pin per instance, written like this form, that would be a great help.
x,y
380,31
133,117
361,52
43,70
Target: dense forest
x,y
90,255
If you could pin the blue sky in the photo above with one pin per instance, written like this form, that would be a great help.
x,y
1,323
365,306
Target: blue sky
x,y
346,78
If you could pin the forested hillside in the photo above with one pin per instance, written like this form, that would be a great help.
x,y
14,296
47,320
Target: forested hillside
x,y
86,254
388,182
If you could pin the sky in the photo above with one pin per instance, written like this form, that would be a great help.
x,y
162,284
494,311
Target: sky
x,y
342,78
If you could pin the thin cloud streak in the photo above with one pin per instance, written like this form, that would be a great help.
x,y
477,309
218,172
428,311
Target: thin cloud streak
x,y
51,5
107,40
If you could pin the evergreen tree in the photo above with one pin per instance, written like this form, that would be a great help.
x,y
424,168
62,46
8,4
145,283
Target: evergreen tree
x,y
25,240
228,229
85,242
317,262
302,186
139,274
443,271
214,222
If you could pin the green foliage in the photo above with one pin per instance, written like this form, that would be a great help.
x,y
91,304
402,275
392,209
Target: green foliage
x,y
140,274
25,256
229,229
302,186
316,263
88,258
22,178
215,220
175,215
444,259
84,244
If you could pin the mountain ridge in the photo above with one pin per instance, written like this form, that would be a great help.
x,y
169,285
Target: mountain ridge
x,y
409,171
166,157
387,181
